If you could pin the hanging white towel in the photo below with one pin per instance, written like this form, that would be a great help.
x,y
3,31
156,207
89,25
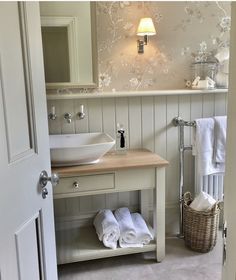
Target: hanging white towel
x,y
204,147
127,229
143,234
220,139
107,228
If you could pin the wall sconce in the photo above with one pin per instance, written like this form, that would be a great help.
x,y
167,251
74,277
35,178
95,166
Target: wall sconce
x,y
145,28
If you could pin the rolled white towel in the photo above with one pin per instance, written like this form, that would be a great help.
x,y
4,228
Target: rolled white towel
x,y
127,229
202,202
143,234
107,228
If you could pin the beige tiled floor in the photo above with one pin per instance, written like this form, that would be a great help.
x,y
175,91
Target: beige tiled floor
x,y
180,264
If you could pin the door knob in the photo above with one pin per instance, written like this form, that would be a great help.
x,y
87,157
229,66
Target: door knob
x,y
76,185
44,179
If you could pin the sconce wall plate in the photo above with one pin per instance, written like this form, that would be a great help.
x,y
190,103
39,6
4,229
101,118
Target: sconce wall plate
x,y
141,43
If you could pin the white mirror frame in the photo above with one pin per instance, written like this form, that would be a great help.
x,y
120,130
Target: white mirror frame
x,y
71,24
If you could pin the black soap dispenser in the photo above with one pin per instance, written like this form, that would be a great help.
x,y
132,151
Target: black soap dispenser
x,y
121,140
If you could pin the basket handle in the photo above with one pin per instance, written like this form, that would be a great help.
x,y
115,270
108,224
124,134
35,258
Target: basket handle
x,y
216,206
187,197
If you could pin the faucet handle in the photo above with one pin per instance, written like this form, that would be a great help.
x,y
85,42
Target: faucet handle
x,y
52,115
68,117
81,113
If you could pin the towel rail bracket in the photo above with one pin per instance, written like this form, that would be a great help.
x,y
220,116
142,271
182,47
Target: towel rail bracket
x,y
178,121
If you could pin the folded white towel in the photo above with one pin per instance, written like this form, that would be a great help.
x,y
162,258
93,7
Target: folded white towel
x,y
220,139
107,228
204,146
127,229
143,234
202,202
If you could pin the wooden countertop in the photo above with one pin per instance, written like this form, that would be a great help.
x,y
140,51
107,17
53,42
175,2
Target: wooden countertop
x,y
112,161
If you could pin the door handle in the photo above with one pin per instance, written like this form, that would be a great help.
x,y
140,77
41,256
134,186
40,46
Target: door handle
x,y
44,179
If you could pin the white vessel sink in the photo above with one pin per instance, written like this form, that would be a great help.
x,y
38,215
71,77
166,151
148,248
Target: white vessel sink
x,y
77,149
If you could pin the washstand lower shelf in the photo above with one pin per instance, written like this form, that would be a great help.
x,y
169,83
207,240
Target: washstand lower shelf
x,y
81,244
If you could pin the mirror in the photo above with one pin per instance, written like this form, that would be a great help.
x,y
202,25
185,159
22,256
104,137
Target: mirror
x,y
69,44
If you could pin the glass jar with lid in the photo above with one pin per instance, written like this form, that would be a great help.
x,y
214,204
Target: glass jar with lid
x,y
203,72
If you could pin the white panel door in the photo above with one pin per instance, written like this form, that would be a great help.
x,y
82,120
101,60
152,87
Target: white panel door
x,y
27,239
229,269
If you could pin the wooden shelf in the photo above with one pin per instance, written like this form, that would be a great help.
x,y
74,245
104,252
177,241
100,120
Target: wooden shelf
x,y
81,244
74,95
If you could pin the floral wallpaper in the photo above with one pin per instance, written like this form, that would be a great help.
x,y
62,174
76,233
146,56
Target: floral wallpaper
x,y
187,32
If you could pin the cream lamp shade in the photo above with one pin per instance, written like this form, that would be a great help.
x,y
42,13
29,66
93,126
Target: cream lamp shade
x,y
146,27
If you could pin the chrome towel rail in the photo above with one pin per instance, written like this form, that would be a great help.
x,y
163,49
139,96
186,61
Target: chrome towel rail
x,y
179,122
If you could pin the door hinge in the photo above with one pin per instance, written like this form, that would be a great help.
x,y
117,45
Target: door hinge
x,y
225,232
224,235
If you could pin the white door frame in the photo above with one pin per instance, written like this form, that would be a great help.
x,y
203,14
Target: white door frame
x,y
229,269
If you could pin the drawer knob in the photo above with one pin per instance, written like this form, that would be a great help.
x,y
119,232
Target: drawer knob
x,y
76,185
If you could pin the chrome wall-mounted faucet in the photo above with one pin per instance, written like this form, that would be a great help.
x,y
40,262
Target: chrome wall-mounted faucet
x,y
68,117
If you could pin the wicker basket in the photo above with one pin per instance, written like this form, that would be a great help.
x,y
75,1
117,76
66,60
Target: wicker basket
x,y
200,227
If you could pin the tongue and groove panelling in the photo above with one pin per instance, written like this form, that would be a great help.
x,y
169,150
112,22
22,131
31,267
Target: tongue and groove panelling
x,y
147,122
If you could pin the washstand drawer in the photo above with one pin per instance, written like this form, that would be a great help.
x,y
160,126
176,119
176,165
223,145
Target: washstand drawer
x,y
85,183
135,179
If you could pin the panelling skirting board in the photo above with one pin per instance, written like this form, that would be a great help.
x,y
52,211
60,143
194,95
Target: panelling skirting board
x,y
147,122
